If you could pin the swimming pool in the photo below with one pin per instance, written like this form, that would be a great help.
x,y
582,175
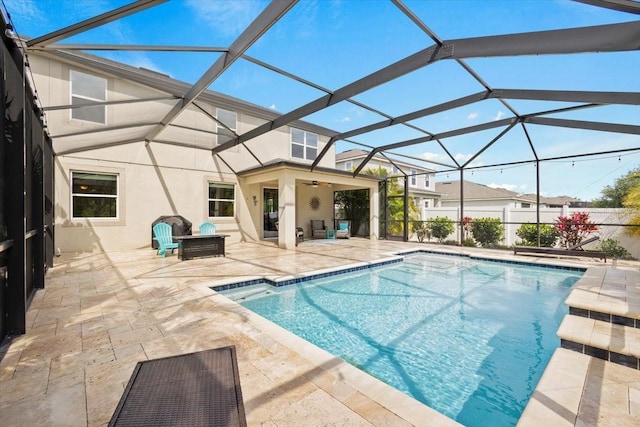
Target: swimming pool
x,y
468,338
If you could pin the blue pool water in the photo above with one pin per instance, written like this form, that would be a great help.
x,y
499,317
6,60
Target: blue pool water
x,y
468,338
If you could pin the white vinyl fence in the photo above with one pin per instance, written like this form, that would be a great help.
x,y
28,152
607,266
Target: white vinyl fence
x,y
512,218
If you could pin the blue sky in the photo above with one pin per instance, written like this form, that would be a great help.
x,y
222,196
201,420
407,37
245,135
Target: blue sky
x,y
334,42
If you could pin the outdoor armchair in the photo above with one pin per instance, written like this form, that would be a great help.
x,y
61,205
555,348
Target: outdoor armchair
x,y
318,229
343,230
162,235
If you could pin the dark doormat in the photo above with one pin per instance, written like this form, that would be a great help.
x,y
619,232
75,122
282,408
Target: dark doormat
x,y
197,389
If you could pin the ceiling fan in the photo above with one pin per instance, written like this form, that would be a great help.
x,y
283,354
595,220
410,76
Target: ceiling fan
x,y
316,184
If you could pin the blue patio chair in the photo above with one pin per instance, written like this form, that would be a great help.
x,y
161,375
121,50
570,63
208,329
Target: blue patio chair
x,y
163,235
207,229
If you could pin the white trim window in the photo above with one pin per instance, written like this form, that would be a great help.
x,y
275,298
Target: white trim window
x,y
348,166
94,195
304,145
414,178
221,200
395,170
229,127
426,180
87,88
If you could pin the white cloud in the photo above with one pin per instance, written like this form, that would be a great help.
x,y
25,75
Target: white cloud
x,y
345,119
443,158
472,116
359,112
510,187
499,115
228,17
24,10
272,107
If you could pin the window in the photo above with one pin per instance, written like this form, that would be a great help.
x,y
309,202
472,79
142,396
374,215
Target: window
x,y
94,195
526,205
348,166
222,200
414,178
426,180
426,204
228,119
87,88
304,145
394,170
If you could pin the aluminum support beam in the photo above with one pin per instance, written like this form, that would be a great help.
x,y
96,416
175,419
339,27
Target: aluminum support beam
x,y
449,134
622,98
97,146
600,38
94,22
99,103
273,12
486,147
131,47
416,115
580,124
104,129
603,38
620,5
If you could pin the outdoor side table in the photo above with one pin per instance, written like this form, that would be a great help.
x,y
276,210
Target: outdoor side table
x,y
331,233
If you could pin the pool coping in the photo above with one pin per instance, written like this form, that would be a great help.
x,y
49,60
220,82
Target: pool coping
x,y
406,407
396,257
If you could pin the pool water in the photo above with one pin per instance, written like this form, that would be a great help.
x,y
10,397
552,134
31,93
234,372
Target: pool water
x,y
468,338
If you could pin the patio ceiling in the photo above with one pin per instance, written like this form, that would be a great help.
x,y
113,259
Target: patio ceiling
x,y
604,102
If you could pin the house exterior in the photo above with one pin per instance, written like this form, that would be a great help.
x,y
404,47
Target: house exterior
x,y
480,196
422,187
115,174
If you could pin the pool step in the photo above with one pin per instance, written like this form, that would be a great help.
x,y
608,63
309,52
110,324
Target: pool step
x,y
613,342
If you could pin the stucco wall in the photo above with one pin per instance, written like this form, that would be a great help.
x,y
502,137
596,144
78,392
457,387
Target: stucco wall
x,y
156,181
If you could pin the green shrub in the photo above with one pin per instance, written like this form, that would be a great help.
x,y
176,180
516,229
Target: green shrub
x,y
487,231
469,242
612,248
440,227
529,235
422,230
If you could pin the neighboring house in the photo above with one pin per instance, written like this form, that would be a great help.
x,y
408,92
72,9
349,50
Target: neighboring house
x,y
481,196
118,166
559,201
422,187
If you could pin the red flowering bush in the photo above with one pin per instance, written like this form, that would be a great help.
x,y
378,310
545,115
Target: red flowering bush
x,y
574,228
466,225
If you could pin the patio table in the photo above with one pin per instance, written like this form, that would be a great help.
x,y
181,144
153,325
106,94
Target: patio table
x,y
200,246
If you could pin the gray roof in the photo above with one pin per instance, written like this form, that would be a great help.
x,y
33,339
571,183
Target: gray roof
x,y
554,200
450,190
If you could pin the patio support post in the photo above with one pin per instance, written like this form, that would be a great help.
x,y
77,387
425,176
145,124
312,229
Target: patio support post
x,y
287,211
374,212
406,209
460,230
538,201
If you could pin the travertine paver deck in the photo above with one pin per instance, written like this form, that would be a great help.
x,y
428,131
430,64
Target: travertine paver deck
x,y
101,313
